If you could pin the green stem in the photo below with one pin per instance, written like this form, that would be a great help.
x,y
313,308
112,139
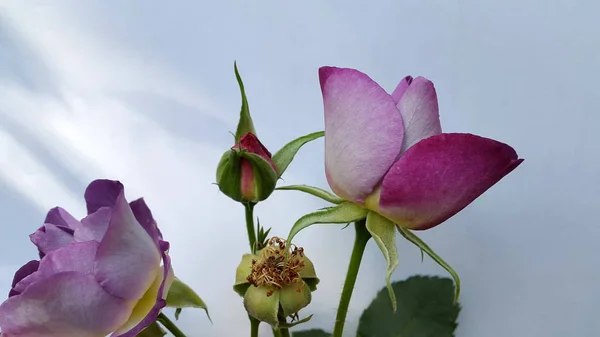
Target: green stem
x,y
169,325
285,332
254,323
250,226
249,207
360,242
276,333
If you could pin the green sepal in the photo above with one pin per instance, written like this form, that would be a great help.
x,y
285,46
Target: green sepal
x,y
229,175
152,330
286,154
183,296
285,325
410,236
245,124
340,214
262,307
291,300
308,274
384,233
241,273
316,191
265,178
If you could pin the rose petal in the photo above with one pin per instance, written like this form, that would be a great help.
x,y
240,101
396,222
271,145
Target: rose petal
x,y
143,215
60,217
441,175
127,258
78,256
363,132
50,237
94,226
65,304
26,270
102,193
420,113
401,88
148,307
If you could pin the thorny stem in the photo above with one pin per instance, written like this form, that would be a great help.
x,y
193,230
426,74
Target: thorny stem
x,y
250,225
360,242
169,325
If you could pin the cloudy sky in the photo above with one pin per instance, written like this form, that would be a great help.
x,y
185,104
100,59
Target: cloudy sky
x,y
144,92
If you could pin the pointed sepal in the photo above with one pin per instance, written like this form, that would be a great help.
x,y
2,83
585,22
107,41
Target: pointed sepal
x,y
383,232
317,192
183,296
410,236
245,124
284,157
341,214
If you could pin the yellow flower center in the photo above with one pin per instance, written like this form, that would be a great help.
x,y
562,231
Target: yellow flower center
x,y
271,267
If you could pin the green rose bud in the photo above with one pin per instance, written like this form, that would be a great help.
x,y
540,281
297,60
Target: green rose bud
x,y
274,289
246,173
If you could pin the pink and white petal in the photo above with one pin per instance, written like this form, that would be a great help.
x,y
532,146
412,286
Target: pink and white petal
x,y
102,193
26,270
127,258
401,88
60,217
420,113
440,176
65,304
149,306
363,132
94,226
50,237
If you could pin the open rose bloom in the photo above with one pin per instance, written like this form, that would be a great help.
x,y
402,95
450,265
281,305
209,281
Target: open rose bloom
x,y
108,273
387,153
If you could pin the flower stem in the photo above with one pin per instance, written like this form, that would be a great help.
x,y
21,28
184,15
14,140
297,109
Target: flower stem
x,y
250,225
254,323
249,207
276,333
285,332
360,242
169,325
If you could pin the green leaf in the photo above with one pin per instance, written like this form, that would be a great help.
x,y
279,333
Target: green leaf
x,y
425,309
284,157
410,236
311,333
317,192
182,296
384,233
153,330
245,124
342,213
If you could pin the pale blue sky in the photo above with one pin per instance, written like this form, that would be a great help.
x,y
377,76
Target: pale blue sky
x,y
144,92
